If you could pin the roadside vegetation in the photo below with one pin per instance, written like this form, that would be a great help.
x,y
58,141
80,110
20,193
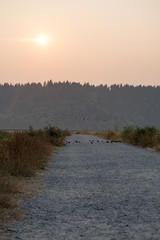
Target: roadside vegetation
x,y
22,155
148,137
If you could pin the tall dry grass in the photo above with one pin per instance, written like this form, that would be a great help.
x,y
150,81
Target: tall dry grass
x,y
23,154
110,134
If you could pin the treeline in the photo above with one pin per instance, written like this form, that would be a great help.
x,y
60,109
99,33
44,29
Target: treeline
x,y
78,107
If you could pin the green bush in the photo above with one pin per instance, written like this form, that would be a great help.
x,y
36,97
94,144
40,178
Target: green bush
x,y
53,131
145,137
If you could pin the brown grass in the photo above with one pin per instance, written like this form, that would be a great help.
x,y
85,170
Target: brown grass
x,y
157,147
21,156
110,134
148,137
18,189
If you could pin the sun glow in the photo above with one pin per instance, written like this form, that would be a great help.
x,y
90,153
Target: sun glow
x,y
41,39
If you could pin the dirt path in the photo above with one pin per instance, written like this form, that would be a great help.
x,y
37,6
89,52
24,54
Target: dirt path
x,y
96,190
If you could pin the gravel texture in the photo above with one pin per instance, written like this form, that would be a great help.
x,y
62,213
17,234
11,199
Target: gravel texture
x,y
96,190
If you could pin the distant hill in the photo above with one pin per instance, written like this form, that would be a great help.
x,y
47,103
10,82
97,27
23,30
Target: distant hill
x,y
78,107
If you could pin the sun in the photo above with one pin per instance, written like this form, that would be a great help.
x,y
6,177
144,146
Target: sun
x,y
42,39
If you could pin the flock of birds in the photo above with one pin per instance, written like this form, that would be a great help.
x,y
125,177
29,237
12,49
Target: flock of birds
x,y
54,117
94,141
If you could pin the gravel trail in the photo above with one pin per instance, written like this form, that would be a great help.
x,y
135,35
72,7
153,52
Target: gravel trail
x,y
99,191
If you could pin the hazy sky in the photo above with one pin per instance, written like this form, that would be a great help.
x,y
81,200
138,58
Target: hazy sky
x,y
96,41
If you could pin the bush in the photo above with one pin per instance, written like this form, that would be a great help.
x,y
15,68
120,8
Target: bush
x,y
56,135
145,137
54,132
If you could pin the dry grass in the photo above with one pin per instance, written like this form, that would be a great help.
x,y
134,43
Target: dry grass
x,y
157,147
18,189
148,137
113,135
110,134
23,155
9,187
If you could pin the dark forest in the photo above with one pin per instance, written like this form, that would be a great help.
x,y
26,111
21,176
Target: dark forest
x,y
78,107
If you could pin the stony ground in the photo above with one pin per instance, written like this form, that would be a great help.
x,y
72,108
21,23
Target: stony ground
x,y
96,190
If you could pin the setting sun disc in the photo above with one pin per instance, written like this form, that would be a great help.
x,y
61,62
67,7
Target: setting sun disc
x,y
42,39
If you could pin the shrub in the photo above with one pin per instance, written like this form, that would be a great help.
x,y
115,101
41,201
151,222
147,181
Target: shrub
x,y
145,137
